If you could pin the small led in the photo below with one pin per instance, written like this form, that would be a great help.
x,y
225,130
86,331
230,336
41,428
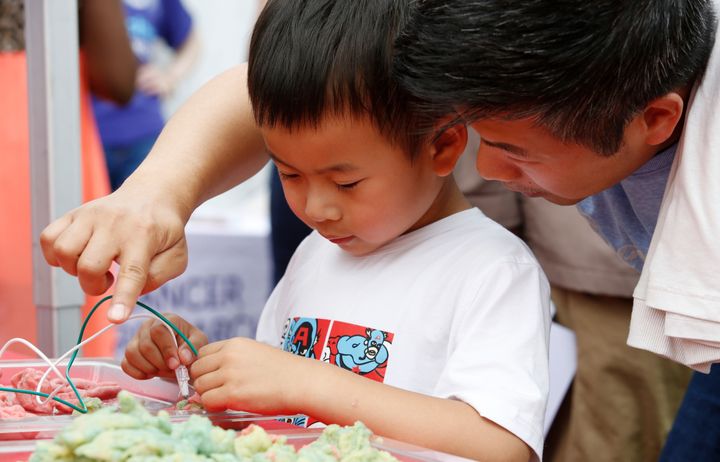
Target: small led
x,y
183,378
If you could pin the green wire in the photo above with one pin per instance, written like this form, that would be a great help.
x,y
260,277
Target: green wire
x,y
45,395
84,409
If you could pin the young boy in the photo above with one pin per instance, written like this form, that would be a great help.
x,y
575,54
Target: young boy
x,y
425,319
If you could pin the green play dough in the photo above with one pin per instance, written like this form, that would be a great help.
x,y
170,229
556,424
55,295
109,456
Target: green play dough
x,y
129,433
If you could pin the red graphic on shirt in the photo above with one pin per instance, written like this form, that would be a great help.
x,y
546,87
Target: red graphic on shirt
x,y
362,350
305,336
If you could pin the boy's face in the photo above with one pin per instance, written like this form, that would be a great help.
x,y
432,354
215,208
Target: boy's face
x,y
530,160
352,185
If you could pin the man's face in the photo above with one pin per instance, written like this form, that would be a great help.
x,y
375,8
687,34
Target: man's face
x,y
527,158
344,179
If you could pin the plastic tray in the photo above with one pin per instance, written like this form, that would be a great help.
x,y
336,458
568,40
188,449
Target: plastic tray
x,y
21,450
155,394
19,437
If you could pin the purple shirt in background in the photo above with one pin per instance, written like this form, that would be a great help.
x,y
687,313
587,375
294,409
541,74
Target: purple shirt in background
x,y
147,21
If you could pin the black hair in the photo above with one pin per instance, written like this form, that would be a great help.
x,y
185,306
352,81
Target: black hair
x,y
313,58
582,68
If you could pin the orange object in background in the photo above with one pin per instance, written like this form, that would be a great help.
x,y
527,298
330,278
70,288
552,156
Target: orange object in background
x,y
16,300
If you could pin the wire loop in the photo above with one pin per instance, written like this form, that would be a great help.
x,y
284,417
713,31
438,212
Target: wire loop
x,y
75,350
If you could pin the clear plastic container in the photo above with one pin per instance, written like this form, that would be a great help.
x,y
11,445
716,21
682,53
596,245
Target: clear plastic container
x,y
18,437
155,394
402,451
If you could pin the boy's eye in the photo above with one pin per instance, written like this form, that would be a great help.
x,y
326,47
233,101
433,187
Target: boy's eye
x,y
347,186
288,176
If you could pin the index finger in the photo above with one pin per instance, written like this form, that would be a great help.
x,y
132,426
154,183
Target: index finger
x,y
207,361
134,263
50,234
211,348
203,365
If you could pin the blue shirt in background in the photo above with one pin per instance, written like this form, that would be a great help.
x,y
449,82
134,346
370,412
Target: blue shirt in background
x,y
625,215
147,21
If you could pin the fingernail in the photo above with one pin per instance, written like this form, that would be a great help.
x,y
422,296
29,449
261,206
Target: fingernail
x,y
185,355
173,363
116,312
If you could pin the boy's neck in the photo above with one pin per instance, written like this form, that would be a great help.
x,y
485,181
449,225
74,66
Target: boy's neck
x,y
449,201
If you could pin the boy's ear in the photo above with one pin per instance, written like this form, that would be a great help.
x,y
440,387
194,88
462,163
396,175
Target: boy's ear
x,y
447,149
661,117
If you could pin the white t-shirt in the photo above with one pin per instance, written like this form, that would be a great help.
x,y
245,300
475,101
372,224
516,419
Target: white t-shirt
x,y
457,309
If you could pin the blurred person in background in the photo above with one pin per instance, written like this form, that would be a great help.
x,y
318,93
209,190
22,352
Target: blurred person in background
x,y
129,131
108,68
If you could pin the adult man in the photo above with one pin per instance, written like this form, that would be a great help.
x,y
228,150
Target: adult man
x,y
601,418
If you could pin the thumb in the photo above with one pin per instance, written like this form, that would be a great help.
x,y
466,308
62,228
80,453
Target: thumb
x,y
198,340
186,356
164,340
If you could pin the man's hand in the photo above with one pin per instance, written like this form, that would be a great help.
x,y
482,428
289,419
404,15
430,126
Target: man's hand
x,y
210,145
144,235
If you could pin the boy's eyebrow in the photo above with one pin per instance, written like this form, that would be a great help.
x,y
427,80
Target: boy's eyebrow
x,y
506,147
345,167
342,167
278,160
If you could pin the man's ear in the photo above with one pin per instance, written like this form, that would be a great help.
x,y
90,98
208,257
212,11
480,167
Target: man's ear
x,y
447,148
661,117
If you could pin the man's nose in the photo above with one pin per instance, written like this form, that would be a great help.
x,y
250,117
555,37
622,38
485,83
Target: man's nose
x,y
320,206
492,166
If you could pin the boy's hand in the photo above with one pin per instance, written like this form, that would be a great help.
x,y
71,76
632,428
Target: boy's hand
x,y
243,374
152,351
140,228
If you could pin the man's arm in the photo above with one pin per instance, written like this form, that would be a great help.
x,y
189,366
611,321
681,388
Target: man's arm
x,y
210,145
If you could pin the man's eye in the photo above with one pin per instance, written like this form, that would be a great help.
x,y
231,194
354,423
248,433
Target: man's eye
x,y
288,176
507,152
347,186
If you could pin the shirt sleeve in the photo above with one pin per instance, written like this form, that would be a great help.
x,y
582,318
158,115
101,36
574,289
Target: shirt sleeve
x,y
269,329
176,23
498,357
